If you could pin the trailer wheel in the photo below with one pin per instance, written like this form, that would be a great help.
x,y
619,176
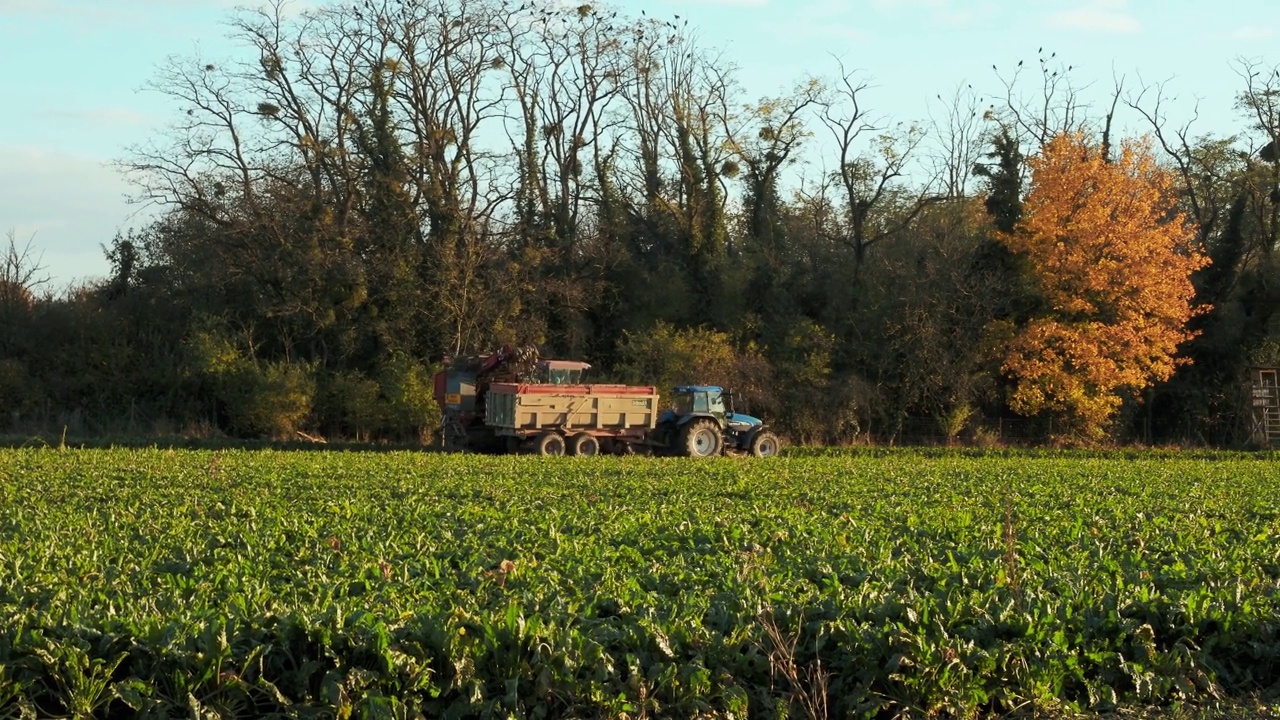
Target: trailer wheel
x,y
549,443
701,438
584,444
765,444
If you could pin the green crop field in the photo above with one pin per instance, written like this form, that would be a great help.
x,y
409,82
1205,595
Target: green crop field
x,y
237,584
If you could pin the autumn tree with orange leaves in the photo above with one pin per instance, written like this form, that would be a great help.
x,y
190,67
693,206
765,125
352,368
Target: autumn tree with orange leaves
x,y
1112,261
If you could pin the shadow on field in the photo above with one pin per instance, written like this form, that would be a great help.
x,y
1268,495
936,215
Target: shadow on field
x,y
191,443
180,442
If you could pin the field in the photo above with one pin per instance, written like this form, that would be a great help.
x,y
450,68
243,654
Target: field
x,y
233,584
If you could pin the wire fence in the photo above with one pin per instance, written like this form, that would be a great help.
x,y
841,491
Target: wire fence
x,y
986,431
1038,432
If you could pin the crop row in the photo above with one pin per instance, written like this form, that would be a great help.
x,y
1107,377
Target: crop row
x,y
341,584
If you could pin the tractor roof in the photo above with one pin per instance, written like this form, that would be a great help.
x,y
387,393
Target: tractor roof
x,y
564,365
698,388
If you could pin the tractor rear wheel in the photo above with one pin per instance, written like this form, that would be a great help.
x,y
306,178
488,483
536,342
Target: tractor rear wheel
x,y
765,444
549,443
584,445
701,438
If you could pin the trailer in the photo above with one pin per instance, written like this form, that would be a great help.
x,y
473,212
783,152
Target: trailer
x,y
582,419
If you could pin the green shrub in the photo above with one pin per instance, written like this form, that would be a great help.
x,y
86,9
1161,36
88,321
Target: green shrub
x,y
351,404
271,399
18,392
410,406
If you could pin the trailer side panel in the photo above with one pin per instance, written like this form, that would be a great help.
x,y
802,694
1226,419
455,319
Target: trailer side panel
x,y
520,409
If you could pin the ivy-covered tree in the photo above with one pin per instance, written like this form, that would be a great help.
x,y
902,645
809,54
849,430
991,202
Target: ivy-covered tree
x,y
1004,179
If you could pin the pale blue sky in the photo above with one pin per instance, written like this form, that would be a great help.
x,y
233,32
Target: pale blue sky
x,y
73,72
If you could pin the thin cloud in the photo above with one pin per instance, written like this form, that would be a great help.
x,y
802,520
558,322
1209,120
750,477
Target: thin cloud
x,y
937,12
883,5
131,11
714,3
1251,33
841,34
50,7
14,7
823,11
63,200
99,117
827,20
1101,16
9,8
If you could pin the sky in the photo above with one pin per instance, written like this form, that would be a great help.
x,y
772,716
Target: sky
x,y
73,77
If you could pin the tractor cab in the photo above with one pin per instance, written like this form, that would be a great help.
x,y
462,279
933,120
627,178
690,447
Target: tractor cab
x,y
560,372
690,400
710,401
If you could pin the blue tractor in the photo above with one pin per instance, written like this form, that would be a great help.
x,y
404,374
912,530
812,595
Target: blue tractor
x,y
702,423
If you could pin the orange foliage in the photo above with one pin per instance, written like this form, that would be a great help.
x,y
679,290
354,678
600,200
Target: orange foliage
x,y
1113,262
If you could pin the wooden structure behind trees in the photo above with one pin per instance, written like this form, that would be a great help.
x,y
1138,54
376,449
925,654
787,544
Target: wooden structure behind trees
x,y
1264,406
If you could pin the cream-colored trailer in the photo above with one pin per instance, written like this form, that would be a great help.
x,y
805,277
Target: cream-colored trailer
x,y
571,418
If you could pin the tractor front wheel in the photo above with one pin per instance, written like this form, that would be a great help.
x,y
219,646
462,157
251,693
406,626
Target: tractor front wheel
x,y
701,438
765,444
549,443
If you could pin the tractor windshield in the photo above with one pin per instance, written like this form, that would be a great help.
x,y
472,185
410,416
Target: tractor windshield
x,y
564,377
560,372
715,403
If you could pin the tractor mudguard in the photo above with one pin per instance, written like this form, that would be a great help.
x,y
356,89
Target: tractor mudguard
x,y
686,419
751,434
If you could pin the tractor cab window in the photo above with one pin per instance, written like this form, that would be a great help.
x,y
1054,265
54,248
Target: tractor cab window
x,y
560,373
683,403
564,377
700,402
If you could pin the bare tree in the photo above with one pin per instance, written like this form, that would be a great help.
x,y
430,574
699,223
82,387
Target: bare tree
x,y
348,121
958,135
563,66
1260,102
1108,122
446,51
21,275
700,136
1202,171
1055,109
447,94
871,180
682,127
310,88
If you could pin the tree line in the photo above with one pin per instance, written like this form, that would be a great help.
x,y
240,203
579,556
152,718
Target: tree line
x,y
373,188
